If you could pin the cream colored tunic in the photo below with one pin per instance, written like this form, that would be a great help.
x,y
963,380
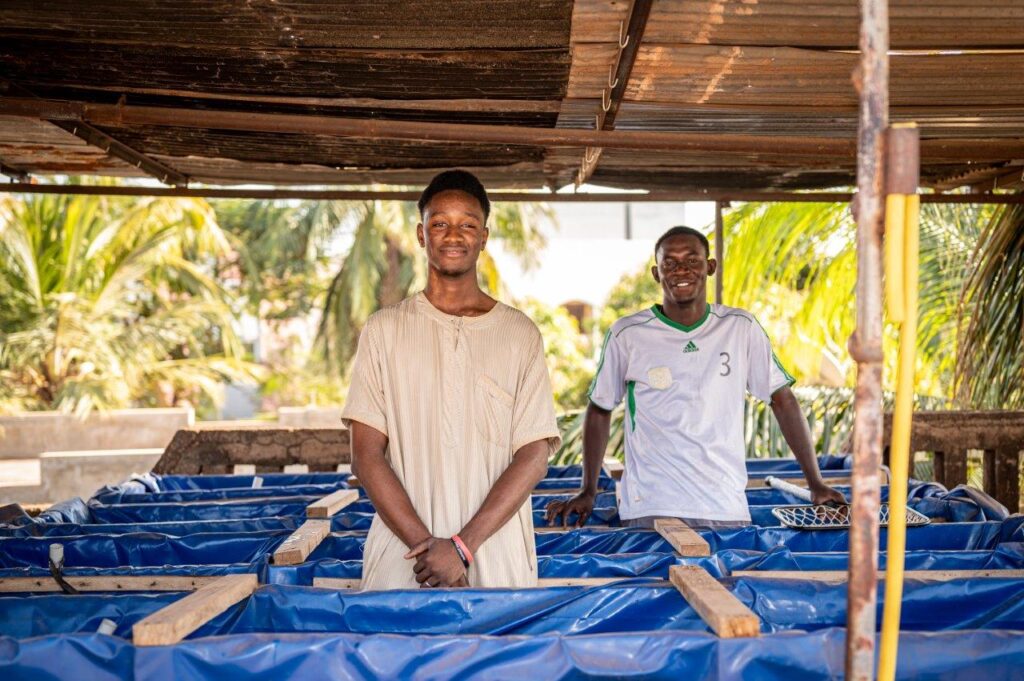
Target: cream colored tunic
x,y
457,397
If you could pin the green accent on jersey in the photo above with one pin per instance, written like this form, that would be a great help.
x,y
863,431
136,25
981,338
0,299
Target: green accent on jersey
x,y
600,363
691,347
676,325
631,402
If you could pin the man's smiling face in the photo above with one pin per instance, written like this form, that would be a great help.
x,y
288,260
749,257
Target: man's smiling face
x,y
682,269
452,232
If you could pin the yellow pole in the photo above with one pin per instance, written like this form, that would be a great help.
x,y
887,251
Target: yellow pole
x,y
899,450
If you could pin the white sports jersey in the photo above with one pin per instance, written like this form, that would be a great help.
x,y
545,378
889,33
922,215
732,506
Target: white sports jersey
x,y
684,388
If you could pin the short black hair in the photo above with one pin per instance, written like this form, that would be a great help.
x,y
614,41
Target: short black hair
x,y
462,180
682,231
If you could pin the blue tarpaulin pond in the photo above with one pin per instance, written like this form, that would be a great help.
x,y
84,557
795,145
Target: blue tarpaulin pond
x,y
627,620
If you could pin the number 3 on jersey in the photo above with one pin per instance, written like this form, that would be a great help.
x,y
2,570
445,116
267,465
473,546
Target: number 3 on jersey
x,y
726,369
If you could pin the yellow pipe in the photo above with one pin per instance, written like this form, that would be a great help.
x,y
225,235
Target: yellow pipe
x,y
899,451
894,255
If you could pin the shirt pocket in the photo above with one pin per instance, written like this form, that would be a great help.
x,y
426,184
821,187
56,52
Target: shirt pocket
x,y
493,412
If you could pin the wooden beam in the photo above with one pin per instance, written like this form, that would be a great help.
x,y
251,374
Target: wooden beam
x,y
336,583
296,468
843,575
720,610
628,46
354,584
683,539
302,542
101,140
179,619
14,173
332,503
116,115
544,492
739,195
107,583
546,529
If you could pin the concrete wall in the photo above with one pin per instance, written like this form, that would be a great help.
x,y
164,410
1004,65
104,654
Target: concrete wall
x,y
29,434
309,417
79,474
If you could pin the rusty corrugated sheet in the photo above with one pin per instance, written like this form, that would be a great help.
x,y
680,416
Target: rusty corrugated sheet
x,y
915,24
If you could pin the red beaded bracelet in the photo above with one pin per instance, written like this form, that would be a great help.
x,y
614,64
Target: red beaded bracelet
x,y
462,550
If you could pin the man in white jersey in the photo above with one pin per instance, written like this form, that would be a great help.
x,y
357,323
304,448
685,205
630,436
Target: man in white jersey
x,y
684,368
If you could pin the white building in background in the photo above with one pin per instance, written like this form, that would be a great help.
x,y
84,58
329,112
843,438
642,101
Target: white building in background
x,y
594,245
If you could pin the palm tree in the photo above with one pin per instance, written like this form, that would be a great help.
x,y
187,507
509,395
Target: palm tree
x,y
109,302
990,370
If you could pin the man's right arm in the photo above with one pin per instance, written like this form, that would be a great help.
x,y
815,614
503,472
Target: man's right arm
x,y
596,428
385,490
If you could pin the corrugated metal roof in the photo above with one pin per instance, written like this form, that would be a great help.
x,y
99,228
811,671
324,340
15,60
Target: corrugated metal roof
x,y
760,69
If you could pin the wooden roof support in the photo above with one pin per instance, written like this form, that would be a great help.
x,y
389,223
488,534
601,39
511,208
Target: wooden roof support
x,y
683,539
179,619
718,607
117,115
629,44
496,197
15,174
102,140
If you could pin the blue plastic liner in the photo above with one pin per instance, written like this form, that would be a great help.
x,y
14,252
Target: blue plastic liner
x,y
141,549
656,565
122,496
622,607
957,656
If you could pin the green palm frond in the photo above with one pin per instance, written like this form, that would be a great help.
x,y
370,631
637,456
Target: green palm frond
x,y
100,293
990,373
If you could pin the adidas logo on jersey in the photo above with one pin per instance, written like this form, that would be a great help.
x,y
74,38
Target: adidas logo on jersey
x,y
691,347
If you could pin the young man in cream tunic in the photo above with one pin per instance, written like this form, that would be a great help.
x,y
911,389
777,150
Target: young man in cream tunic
x,y
452,416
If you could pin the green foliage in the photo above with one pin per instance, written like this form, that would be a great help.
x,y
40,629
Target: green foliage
x,y
990,373
281,251
566,350
108,303
632,293
382,266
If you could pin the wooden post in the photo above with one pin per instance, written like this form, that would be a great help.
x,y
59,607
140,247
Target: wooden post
x,y
872,82
950,467
179,619
1001,476
720,610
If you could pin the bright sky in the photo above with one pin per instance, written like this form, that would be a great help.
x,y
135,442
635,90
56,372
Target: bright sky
x,y
589,253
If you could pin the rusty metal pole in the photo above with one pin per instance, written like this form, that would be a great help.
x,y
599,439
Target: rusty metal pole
x,y
872,82
719,251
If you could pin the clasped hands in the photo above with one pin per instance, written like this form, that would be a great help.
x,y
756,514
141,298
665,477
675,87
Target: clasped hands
x,y
437,563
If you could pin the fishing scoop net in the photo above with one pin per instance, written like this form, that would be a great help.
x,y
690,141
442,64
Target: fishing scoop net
x,y
834,517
